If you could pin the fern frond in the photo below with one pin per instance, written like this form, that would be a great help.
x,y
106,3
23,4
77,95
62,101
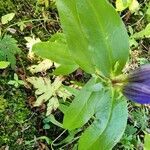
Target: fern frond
x,y
8,50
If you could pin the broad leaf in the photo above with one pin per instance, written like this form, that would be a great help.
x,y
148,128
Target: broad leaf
x,y
104,106
83,107
107,129
57,51
65,69
147,142
95,34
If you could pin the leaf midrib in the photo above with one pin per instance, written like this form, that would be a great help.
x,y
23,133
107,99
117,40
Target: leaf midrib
x,y
103,33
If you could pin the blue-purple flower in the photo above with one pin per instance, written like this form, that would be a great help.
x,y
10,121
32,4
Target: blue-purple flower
x,y
138,86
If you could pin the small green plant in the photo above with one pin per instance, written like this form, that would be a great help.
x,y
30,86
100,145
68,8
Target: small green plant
x,y
16,82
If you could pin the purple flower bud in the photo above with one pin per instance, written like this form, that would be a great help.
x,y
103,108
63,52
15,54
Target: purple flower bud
x,y
140,75
137,92
138,86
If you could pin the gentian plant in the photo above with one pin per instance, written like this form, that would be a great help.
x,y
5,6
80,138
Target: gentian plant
x,y
95,39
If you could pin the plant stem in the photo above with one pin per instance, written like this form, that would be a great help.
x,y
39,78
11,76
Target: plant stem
x,y
57,139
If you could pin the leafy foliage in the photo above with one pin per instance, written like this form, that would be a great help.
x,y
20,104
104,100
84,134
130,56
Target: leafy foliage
x,y
56,50
48,92
128,140
8,50
140,119
103,132
97,45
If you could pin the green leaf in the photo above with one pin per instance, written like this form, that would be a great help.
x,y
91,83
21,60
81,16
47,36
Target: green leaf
x,y
147,142
134,6
122,4
72,90
148,10
56,50
15,77
12,82
96,36
82,108
65,69
6,18
145,33
22,25
4,64
46,126
58,37
8,50
104,107
54,121
63,108
107,129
